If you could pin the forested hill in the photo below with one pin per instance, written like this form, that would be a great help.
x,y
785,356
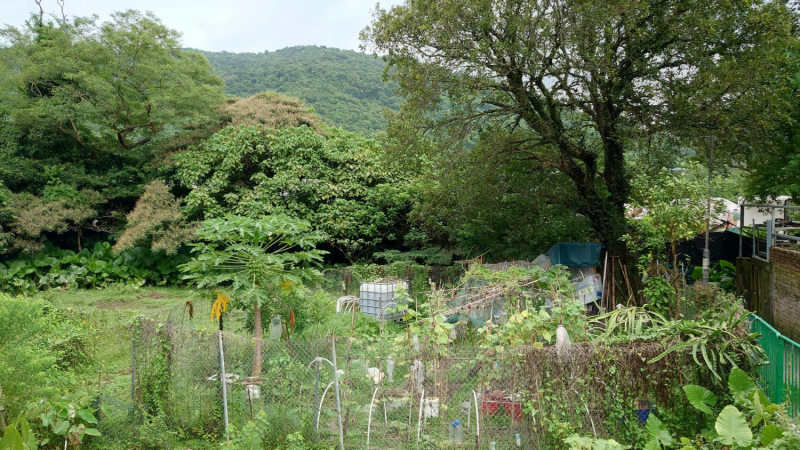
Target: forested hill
x,y
343,86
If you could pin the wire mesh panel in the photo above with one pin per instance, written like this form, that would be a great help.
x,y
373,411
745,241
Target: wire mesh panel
x,y
393,394
779,378
175,372
791,375
399,392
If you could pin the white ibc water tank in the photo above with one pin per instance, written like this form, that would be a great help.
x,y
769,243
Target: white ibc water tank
x,y
376,298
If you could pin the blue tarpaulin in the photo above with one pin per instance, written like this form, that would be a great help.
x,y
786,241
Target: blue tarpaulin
x,y
575,254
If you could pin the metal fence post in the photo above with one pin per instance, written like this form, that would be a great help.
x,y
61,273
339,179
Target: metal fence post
x,y
133,361
770,228
316,402
741,230
336,385
224,380
778,368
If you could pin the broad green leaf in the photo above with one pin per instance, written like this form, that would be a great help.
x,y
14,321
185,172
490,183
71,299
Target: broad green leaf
x,y
92,432
62,426
11,440
652,445
658,431
700,397
769,433
732,428
87,415
740,383
758,406
28,437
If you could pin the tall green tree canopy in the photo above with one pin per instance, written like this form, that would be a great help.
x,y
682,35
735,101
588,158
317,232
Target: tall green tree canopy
x,y
83,107
776,171
479,204
340,183
566,85
345,87
118,84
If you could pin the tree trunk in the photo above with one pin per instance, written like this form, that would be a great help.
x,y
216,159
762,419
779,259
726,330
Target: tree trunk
x,y
259,341
676,280
607,215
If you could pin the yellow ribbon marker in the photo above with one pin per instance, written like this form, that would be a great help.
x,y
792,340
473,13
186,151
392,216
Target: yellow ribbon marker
x,y
219,307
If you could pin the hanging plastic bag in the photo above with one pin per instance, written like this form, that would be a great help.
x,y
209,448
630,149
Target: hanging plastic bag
x,y
563,343
276,329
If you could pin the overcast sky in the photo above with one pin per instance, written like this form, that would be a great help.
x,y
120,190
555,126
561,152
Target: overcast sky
x,y
232,25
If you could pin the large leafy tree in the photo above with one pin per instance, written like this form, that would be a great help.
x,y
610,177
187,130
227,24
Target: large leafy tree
x,y
479,203
572,83
776,171
83,107
118,84
340,183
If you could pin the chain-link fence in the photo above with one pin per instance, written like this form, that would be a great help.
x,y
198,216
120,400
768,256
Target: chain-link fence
x,y
392,396
394,392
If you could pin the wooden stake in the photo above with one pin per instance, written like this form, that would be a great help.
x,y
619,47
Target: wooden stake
x,y
613,284
627,282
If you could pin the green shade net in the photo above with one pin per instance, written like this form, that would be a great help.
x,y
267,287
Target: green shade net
x,y
575,254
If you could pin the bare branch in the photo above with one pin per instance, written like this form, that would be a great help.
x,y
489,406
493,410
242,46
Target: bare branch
x,y
41,12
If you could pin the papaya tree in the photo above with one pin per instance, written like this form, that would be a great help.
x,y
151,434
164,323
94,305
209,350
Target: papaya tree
x,y
255,260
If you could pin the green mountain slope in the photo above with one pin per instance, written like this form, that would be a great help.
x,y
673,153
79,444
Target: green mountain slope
x,y
343,86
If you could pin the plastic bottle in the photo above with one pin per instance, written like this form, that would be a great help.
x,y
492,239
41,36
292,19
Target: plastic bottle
x,y
519,439
456,432
494,445
390,369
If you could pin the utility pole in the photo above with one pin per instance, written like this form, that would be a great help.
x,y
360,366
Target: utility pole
x,y
706,251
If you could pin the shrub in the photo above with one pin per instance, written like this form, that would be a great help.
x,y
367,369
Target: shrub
x,y
28,363
100,266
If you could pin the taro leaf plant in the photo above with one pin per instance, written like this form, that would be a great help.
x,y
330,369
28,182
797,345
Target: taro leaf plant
x,y
18,436
723,273
67,420
735,426
255,260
